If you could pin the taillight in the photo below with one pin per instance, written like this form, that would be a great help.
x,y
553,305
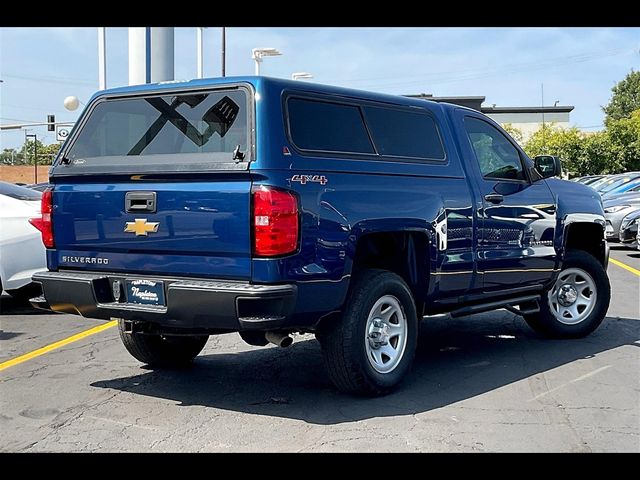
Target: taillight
x,y
44,222
275,222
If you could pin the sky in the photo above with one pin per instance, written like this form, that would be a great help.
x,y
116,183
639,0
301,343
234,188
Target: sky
x,y
39,67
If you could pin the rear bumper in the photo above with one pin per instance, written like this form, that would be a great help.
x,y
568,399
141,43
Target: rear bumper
x,y
190,303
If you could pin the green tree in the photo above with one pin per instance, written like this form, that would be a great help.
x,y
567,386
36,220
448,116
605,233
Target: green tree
x,y
10,156
49,153
625,98
515,132
46,153
624,138
582,153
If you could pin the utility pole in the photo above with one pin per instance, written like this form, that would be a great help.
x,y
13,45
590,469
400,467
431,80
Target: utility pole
x,y
200,51
544,143
102,58
224,51
35,153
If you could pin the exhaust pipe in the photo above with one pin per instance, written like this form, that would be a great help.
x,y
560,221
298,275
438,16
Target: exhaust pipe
x,y
279,339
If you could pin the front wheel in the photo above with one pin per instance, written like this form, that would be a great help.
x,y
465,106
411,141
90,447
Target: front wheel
x,y
371,349
577,302
162,351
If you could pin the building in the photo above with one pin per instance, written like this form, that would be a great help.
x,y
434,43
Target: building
x,y
526,119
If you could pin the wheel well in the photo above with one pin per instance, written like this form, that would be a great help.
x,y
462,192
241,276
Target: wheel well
x,y
404,253
588,237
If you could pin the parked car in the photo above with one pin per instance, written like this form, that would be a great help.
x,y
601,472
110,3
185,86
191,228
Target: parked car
x,y
40,187
629,228
630,186
616,210
21,250
193,209
601,181
588,179
625,194
616,181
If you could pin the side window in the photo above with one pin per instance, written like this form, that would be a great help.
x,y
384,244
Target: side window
x,y
402,133
497,157
326,126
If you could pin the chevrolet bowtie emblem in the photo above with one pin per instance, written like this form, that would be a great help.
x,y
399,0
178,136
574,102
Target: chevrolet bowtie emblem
x,y
141,227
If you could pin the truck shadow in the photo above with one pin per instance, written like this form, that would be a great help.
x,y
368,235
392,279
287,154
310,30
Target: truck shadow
x,y
457,359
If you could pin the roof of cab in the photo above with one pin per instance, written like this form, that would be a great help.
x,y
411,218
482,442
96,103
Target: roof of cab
x,y
260,82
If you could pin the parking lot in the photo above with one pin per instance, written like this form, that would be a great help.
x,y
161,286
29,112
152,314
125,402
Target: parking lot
x,y
480,383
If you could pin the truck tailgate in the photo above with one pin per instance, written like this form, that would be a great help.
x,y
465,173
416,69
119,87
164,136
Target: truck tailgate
x,y
196,228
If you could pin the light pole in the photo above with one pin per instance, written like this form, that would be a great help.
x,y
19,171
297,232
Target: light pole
x,y
102,58
35,153
258,53
300,75
200,51
224,51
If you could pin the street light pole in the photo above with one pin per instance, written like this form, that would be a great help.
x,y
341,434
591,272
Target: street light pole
x,y
102,58
300,75
224,51
35,154
258,53
200,52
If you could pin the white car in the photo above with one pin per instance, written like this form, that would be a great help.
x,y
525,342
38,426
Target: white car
x,y
21,250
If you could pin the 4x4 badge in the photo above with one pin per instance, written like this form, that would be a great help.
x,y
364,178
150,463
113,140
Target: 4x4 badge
x,y
303,179
140,226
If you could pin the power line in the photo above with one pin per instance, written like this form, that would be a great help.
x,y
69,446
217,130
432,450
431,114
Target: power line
x,y
471,74
37,109
65,80
17,120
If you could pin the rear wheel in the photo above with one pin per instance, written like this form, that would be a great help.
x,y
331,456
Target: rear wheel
x,y
162,351
372,348
577,302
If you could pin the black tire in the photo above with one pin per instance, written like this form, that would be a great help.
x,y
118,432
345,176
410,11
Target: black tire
x,y
161,351
344,341
545,322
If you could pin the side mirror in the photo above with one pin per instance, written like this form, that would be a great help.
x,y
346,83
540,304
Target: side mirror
x,y
548,165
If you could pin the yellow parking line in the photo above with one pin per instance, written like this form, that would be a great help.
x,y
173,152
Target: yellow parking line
x,y
58,344
625,266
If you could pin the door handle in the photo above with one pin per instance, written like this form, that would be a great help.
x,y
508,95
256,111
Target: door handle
x,y
494,198
140,202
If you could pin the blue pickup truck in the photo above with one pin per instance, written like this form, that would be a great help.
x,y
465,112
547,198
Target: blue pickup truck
x,y
267,207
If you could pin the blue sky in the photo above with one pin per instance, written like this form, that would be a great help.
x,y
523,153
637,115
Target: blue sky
x,y
578,66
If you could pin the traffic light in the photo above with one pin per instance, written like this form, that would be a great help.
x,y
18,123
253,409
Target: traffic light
x,y
51,120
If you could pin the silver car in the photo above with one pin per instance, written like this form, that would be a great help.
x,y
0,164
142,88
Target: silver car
x,y
629,229
616,211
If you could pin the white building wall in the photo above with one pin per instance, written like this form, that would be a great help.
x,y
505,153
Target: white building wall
x,y
529,123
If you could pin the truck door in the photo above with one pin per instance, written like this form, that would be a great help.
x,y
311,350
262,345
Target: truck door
x,y
517,218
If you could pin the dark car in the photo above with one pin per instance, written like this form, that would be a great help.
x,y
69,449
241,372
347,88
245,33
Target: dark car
x,y
266,207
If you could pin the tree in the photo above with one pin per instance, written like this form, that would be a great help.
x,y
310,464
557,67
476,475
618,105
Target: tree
x,y
582,153
46,153
49,153
514,132
624,137
10,156
625,98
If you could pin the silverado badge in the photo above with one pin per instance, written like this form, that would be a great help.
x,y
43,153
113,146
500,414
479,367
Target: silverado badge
x,y
141,227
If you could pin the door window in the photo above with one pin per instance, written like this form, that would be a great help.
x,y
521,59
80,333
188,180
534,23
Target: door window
x,y
497,157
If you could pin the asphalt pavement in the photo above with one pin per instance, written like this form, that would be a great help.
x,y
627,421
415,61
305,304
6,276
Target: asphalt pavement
x,y
480,383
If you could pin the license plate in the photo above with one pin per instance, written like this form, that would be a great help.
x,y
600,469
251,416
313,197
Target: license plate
x,y
145,292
